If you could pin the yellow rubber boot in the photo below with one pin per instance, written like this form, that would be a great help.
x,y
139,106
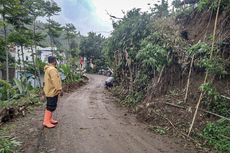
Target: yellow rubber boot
x,y
47,119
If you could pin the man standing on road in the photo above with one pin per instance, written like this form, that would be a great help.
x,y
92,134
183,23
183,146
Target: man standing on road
x,y
52,89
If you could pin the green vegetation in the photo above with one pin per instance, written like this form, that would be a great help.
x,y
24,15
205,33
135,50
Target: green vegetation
x,y
158,129
146,51
70,76
213,100
217,135
8,145
206,4
4,88
91,49
140,47
20,27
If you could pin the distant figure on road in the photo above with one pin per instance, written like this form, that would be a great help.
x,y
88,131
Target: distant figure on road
x,y
52,89
81,62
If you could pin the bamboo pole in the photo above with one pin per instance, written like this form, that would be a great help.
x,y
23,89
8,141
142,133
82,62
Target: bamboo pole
x,y
189,76
225,97
161,73
202,110
206,75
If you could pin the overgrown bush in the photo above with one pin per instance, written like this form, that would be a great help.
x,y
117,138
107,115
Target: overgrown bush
x,y
4,88
213,100
218,135
69,74
201,51
184,12
152,56
133,99
214,66
142,80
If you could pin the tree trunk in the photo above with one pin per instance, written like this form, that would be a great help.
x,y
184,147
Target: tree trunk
x,y
131,76
19,61
67,53
23,59
6,52
38,75
51,38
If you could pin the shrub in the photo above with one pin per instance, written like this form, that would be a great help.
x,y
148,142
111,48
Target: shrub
x,y
213,100
4,88
217,135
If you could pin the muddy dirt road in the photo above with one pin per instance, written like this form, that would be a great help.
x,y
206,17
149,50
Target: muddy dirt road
x,y
90,122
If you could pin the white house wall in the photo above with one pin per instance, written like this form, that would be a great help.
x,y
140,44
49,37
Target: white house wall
x,y
27,54
44,53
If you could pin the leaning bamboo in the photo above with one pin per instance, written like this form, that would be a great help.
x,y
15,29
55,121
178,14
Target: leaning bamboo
x,y
225,97
161,73
188,81
206,75
202,110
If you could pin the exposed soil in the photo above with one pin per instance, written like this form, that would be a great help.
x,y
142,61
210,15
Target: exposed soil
x,y
91,122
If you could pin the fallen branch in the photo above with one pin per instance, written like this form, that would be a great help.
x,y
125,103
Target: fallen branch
x,y
225,137
112,16
8,114
225,97
175,105
180,132
214,114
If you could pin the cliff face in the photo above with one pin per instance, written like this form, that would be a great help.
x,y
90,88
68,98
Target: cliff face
x,y
200,25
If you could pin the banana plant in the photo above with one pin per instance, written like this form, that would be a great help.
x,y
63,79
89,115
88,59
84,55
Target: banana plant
x,y
66,70
69,74
22,86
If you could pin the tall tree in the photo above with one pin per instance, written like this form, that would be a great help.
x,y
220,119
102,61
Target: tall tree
x,y
51,8
12,12
20,21
91,48
125,43
36,9
22,38
161,10
70,34
6,8
54,30
176,4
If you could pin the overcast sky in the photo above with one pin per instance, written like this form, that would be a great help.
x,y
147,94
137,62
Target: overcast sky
x,y
90,15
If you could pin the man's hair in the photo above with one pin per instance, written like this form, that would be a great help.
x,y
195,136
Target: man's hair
x,y
51,59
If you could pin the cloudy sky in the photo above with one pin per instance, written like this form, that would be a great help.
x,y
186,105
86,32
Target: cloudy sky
x,y
90,15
